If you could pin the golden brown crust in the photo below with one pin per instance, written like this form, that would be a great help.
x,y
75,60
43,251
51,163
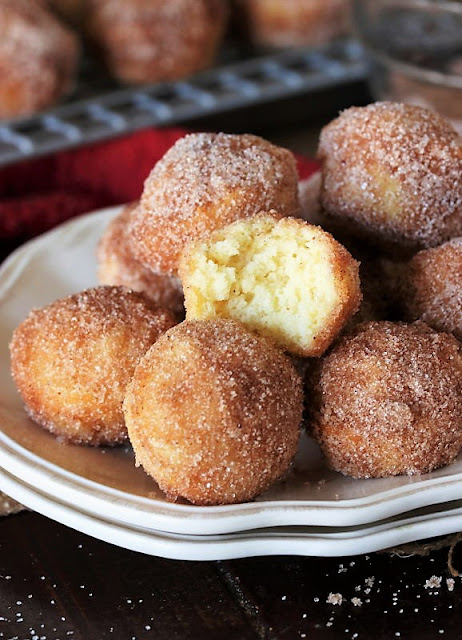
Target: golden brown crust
x,y
277,236
213,412
207,180
432,287
387,400
393,173
117,266
72,360
153,40
38,58
294,22
346,276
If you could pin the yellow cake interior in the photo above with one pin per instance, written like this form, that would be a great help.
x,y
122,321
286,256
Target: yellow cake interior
x,y
275,276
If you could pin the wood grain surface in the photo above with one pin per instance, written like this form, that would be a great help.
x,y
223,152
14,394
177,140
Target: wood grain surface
x,y
56,583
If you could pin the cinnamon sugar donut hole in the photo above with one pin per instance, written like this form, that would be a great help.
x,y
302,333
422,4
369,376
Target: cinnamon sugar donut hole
x,y
293,23
281,277
431,287
72,360
118,266
38,58
387,401
146,41
393,174
207,180
213,412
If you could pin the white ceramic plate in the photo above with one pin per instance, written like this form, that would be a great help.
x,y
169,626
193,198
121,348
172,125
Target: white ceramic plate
x,y
304,541
105,481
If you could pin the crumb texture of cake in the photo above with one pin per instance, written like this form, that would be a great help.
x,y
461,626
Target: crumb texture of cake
x,y
392,173
73,359
205,181
213,412
387,400
281,277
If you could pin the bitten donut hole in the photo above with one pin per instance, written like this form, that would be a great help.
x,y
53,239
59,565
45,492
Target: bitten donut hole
x,y
279,278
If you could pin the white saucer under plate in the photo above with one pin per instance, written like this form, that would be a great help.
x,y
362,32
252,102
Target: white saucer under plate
x,y
304,541
105,481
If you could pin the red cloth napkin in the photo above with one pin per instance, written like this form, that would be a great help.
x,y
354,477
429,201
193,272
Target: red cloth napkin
x,y
38,194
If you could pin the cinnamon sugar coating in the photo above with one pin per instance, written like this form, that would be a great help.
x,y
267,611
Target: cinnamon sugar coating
x,y
387,400
213,412
207,180
294,23
72,360
393,173
118,266
153,40
38,58
432,287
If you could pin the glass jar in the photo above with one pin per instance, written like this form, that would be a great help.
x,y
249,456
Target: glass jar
x,y
415,51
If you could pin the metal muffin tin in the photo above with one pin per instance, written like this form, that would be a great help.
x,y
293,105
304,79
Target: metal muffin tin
x,y
254,81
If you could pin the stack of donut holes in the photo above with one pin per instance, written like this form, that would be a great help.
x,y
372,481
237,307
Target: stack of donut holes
x,y
387,398
137,41
276,332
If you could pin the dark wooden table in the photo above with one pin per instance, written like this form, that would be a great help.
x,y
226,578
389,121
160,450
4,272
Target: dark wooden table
x,y
59,584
